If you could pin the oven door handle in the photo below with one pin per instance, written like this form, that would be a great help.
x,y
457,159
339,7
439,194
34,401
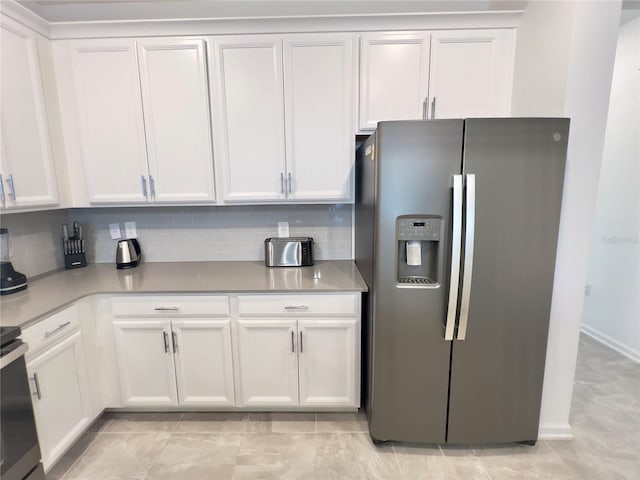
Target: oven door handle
x,y
13,355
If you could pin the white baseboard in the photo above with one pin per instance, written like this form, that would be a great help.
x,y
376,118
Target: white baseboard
x,y
611,343
555,431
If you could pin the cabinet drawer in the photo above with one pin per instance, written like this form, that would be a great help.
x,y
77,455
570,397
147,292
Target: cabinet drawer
x,y
297,305
162,305
50,330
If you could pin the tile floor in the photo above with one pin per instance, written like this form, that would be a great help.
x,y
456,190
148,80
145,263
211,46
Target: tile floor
x,y
199,446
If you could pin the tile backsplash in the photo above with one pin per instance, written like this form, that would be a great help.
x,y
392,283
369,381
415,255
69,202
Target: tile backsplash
x,y
35,240
173,234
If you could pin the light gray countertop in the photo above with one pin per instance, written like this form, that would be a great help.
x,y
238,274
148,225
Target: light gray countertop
x,y
51,292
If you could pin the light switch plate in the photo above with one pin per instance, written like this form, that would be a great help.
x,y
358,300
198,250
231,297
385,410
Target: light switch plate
x,y
283,229
114,230
130,230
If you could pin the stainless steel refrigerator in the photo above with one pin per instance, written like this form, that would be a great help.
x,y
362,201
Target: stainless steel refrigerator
x,y
456,225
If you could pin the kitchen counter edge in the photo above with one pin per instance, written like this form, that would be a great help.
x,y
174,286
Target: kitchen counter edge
x,y
53,292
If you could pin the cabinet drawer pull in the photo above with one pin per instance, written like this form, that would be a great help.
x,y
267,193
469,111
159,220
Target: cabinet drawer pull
x,y
425,104
167,309
433,108
296,307
12,188
56,330
37,385
282,183
144,186
2,190
174,337
152,187
290,183
165,337
301,347
293,347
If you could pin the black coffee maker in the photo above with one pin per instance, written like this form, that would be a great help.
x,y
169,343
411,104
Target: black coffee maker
x,y
10,280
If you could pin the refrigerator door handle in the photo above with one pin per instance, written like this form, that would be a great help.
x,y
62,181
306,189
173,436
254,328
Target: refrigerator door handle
x,y
456,243
470,226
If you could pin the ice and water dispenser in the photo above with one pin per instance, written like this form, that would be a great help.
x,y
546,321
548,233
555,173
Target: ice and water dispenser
x,y
418,250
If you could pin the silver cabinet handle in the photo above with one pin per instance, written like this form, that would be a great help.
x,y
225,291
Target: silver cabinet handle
x,y
296,307
12,188
165,337
56,330
301,345
2,190
282,182
174,338
470,226
144,185
37,385
152,187
167,309
290,183
425,104
433,108
293,347
456,241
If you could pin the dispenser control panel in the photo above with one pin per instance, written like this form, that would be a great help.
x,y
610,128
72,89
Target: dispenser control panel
x,y
419,228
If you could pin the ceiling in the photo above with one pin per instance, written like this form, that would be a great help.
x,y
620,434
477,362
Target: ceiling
x,y
114,10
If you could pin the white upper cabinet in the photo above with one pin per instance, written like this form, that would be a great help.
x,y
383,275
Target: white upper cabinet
x,y
175,97
318,86
144,120
394,77
28,177
439,74
471,73
284,117
249,117
110,120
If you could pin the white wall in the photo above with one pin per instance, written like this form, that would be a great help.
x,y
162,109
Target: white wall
x,y
564,63
612,309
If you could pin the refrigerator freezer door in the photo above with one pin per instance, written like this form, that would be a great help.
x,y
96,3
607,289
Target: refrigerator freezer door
x,y
409,361
497,371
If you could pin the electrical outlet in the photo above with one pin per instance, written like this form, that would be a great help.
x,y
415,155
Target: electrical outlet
x,y
114,230
283,229
130,230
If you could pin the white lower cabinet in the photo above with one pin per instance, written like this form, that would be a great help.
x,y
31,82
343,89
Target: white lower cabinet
x,y
165,359
145,361
60,399
299,350
268,362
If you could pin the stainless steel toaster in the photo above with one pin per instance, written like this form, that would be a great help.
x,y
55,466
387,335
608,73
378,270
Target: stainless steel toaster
x,y
288,252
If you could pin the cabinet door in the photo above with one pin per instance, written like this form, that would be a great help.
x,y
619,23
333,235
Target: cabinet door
x,y
145,362
470,73
110,120
393,77
329,362
268,362
204,368
28,173
175,97
318,85
60,399
249,118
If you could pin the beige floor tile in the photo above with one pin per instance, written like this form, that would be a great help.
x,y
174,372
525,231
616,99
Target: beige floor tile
x,y
197,456
119,456
341,422
141,422
232,422
287,456
354,456
293,422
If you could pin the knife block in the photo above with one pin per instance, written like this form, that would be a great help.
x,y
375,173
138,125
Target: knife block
x,y
75,260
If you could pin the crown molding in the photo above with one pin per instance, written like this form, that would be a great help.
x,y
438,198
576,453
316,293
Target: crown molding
x,y
266,25
26,17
